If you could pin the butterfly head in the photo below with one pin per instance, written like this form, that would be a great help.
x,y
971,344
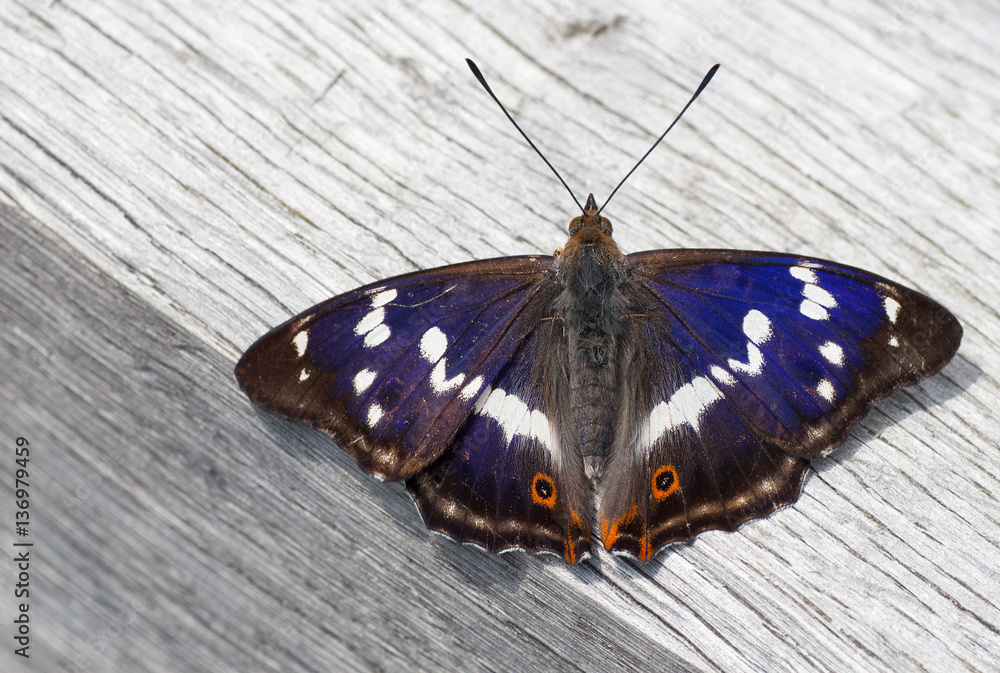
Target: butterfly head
x,y
591,219
590,245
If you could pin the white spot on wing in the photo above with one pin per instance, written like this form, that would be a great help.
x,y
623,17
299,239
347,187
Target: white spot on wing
x,y
826,391
754,364
300,342
303,375
470,390
483,399
374,415
440,383
804,274
722,375
819,295
506,409
377,335
373,324
891,309
362,380
371,320
383,298
811,309
817,300
833,353
433,344
894,342
539,427
687,405
515,418
757,327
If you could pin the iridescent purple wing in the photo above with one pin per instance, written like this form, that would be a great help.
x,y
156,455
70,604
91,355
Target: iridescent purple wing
x,y
392,370
514,476
737,367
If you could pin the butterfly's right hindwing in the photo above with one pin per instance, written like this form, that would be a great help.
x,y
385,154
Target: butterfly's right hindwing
x,y
683,458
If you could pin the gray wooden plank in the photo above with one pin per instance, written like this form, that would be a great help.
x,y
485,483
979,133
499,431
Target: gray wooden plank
x,y
177,179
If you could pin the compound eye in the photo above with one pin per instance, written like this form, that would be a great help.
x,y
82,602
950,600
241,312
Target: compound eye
x,y
605,222
575,223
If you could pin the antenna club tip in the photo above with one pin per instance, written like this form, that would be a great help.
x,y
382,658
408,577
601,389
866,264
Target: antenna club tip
x,y
479,76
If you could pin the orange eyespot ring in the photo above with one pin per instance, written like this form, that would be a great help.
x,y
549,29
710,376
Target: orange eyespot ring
x,y
543,490
665,482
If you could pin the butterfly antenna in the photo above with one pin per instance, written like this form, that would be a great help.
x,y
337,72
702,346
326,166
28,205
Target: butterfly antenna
x,y
482,80
701,87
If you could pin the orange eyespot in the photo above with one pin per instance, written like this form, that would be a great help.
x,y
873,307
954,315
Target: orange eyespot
x,y
543,490
665,482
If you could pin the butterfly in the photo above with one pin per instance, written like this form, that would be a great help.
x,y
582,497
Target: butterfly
x,y
532,402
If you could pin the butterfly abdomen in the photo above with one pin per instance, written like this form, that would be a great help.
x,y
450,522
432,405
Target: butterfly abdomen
x,y
591,306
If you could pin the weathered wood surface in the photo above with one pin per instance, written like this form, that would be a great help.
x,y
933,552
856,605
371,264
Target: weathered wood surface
x,y
174,180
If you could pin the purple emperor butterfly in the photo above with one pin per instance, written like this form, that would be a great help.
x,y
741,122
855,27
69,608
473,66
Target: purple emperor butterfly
x,y
529,401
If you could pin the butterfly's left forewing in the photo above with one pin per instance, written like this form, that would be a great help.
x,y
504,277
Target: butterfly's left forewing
x,y
734,369
392,370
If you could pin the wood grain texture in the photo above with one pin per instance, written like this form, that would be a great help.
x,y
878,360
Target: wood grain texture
x,y
176,179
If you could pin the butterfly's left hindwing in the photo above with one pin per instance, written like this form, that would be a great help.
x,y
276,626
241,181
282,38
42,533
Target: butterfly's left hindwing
x,y
734,368
514,477
392,370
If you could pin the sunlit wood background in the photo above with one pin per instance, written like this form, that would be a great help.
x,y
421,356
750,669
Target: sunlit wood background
x,y
177,177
